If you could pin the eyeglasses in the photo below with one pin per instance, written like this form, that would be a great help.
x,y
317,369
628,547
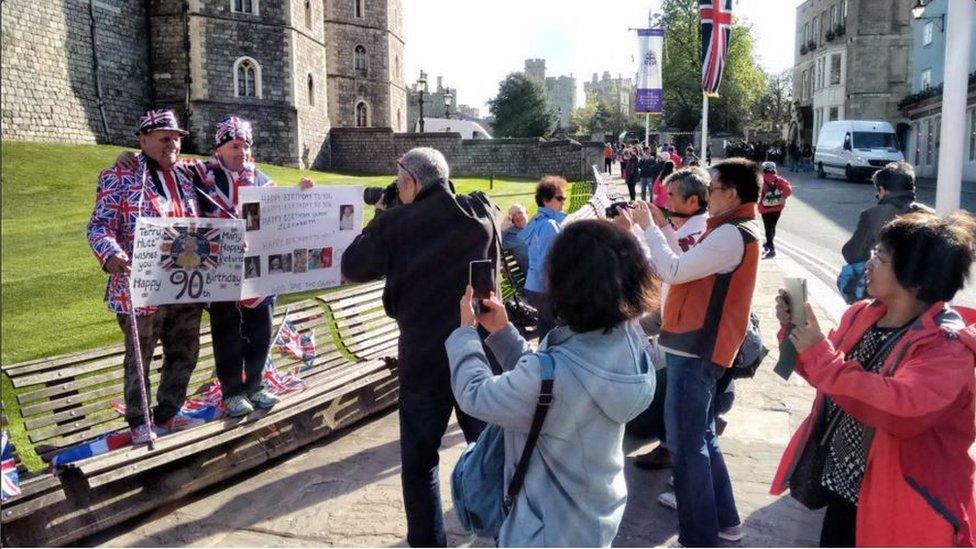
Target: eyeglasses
x,y
875,256
714,188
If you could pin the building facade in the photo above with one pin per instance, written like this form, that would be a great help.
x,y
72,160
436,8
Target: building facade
x,y
439,102
616,93
295,68
924,106
851,63
560,89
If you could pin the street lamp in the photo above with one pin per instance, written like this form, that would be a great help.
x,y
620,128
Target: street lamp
x,y
919,9
447,103
421,87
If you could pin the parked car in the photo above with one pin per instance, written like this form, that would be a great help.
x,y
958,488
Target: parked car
x,y
855,148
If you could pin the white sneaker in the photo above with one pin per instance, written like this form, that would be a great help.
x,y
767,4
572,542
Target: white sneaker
x,y
732,533
667,499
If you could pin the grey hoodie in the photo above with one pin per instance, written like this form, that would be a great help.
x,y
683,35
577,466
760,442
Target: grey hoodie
x,y
574,492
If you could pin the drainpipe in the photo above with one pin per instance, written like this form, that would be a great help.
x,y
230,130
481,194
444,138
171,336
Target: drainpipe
x,y
149,58
186,52
97,80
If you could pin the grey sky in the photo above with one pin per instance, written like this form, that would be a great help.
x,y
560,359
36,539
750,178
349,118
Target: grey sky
x,y
473,45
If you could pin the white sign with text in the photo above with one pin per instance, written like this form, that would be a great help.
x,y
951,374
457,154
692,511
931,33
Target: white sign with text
x,y
186,260
295,238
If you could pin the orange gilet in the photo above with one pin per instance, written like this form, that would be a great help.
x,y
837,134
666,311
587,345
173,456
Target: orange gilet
x,y
707,317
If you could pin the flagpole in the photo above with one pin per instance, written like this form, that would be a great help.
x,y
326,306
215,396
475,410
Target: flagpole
x,y
134,334
280,326
704,133
647,129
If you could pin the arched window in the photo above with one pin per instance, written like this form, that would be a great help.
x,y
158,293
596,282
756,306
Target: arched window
x,y
311,90
308,14
247,78
244,6
360,9
359,60
362,115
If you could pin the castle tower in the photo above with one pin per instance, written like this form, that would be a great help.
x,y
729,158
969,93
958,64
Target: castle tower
x,y
536,70
264,61
364,42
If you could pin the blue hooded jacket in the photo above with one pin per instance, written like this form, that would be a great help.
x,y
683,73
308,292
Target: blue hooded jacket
x,y
538,236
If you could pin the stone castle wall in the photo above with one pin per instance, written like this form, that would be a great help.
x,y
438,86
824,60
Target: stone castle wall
x,y
49,91
375,150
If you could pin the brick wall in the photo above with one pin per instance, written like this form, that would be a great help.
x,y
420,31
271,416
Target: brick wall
x,y
48,77
375,150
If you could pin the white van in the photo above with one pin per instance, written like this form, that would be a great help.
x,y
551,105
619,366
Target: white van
x,y
855,148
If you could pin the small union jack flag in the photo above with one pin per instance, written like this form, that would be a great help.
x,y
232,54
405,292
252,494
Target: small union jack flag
x,y
11,480
716,31
292,342
280,384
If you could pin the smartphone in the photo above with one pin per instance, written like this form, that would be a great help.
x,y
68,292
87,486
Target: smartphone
x,y
481,277
796,289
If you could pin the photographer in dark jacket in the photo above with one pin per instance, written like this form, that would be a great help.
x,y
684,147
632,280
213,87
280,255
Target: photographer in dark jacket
x,y
423,248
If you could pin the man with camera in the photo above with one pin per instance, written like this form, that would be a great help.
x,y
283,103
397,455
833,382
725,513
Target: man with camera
x,y
423,248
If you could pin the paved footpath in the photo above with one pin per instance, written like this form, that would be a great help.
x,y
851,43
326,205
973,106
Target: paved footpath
x,y
345,490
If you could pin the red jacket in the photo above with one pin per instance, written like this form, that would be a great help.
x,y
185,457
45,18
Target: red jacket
x,y
676,160
918,486
772,183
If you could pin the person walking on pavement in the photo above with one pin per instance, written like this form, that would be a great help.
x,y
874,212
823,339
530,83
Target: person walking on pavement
x,y
607,157
648,168
772,200
706,315
887,447
895,186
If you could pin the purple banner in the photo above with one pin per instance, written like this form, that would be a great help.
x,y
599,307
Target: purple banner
x,y
649,101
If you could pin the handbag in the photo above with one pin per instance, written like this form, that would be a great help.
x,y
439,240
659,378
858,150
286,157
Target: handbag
x,y
751,352
851,281
806,479
477,483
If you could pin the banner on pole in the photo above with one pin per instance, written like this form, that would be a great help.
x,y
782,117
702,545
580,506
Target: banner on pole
x,y
650,87
295,238
186,260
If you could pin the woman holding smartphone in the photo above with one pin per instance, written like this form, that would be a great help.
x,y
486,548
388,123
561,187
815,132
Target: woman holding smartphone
x,y
886,446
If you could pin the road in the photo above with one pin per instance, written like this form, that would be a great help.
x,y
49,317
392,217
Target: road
x,y
822,215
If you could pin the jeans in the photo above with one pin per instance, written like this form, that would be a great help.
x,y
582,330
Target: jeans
x,y
646,187
423,421
607,163
770,219
241,339
702,486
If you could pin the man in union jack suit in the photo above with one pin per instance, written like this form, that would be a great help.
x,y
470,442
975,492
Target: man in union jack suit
x,y
241,329
154,189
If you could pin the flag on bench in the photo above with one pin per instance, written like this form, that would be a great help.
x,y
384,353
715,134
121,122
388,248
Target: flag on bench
x,y
11,480
292,342
281,384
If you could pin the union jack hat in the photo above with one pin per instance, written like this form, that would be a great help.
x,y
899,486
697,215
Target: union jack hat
x,y
233,127
159,120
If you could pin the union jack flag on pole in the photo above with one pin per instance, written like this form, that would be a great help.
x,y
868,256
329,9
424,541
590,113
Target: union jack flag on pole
x,y
11,480
292,342
716,32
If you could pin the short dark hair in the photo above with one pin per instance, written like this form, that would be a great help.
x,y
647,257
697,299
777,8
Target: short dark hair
x,y
667,168
547,187
895,177
741,174
931,254
598,276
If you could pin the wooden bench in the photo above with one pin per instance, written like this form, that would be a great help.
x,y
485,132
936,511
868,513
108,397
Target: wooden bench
x,y
65,400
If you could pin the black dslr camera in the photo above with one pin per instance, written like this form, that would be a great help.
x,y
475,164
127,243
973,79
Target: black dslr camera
x,y
388,195
613,210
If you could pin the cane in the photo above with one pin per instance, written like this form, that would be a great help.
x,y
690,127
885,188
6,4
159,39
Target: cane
x,y
137,349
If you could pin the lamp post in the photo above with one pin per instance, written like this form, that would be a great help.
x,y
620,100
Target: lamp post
x,y
421,87
447,103
559,120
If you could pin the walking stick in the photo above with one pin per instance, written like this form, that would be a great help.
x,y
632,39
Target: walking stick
x,y
137,349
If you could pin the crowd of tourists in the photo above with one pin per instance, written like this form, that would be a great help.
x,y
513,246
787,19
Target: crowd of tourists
x,y
642,318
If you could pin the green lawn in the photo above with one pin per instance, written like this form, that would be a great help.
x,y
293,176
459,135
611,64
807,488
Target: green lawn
x,y
51,285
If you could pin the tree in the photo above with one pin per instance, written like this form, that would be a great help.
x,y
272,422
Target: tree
x,y
772,109
522,108
742,83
